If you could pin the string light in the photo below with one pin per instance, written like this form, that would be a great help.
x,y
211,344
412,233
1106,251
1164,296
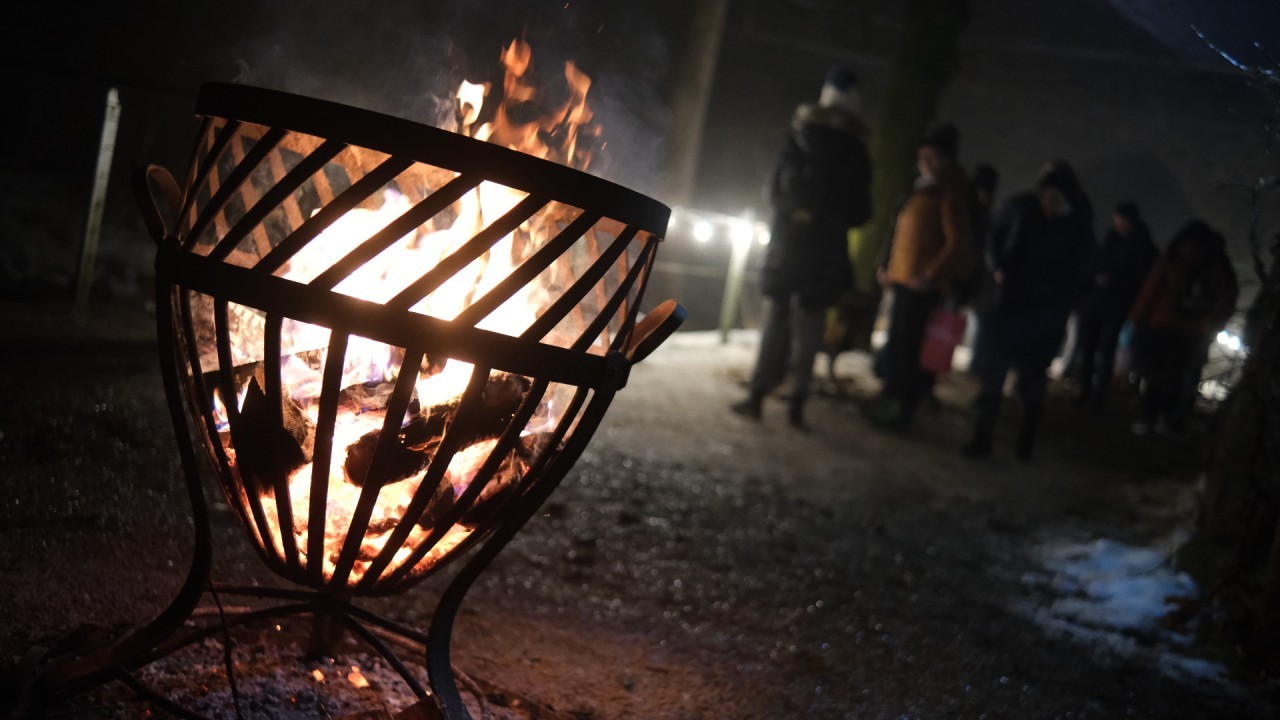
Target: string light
x,y
702,231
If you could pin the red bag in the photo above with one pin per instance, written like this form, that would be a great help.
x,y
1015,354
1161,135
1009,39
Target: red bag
x,y
942,334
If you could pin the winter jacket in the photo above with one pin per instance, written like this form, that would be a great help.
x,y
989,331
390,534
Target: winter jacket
x,y
820,188
1194,298
933,235
1123,263
1044,265
1044,262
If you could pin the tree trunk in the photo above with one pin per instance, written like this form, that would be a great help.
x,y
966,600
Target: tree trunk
x,y
925,65
1240,510
691,81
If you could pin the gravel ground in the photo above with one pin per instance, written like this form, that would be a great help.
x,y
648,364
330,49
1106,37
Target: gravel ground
x,y
694,564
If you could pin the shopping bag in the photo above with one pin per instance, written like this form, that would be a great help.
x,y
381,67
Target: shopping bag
x,y
942,334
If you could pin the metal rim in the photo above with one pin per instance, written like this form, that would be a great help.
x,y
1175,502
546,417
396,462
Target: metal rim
x,y
433,146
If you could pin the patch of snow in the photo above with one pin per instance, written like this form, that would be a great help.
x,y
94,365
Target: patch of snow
x,y
1113,595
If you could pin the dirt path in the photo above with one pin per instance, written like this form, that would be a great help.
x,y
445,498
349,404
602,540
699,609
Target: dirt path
x,y
694,565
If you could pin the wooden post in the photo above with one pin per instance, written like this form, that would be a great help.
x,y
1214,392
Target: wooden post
x,y
742,234
97,200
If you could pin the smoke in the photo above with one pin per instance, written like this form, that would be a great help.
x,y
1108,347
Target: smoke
x,y
407,58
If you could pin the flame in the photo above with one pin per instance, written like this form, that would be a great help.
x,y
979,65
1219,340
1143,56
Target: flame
x,y
526,121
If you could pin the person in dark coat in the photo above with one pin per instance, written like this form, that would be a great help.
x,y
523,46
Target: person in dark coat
x,y
820,188
930,254
1039,252
1119,269
979,291
1186,299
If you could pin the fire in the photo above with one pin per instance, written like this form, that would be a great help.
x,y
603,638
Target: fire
x,y
370,369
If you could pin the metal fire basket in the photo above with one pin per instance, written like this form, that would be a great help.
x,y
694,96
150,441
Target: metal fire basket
x,y
364,427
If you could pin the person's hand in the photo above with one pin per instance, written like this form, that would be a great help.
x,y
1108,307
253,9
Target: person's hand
x,y
920,282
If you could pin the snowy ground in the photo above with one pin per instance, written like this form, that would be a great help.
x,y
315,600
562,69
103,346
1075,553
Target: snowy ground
x,y
694,565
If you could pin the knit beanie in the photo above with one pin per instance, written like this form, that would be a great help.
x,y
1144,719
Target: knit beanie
x,y
945,138
840,90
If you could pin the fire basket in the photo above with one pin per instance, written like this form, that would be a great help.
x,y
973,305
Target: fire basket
x,y
394,340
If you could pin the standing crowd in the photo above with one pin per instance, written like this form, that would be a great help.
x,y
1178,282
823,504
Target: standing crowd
x,y
1020,273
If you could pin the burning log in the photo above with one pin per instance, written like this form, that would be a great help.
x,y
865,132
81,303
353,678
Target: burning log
x,y
419,439
267,447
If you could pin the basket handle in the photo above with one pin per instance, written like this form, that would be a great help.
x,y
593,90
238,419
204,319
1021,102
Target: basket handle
x,y
654,329
146,180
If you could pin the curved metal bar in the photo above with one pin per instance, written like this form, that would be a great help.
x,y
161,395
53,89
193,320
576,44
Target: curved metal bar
x,y
607,311
388,438
449,266
260,150
164,703
345,202
434,146
310,596
325,422
435,474
440,634
75,674
429,207
176,642
207,164
399,580
278,193
381,648
570,298
523,275
377,322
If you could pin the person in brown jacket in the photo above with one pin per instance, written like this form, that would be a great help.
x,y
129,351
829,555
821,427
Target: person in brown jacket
x,y
931,250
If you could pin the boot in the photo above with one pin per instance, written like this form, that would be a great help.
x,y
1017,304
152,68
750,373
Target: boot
x,y
987,411
748,408
1026,440
795,415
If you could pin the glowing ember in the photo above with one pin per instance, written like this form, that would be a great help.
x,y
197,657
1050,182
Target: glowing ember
x,y
356,679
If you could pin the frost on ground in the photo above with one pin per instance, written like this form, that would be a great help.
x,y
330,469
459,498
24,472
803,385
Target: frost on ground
x,y
1113,596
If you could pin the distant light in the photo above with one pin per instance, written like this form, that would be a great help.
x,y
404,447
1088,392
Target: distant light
x,y
1230,341
764,235
702,231
742,232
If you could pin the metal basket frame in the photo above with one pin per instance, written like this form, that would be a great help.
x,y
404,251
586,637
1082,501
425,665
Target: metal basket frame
x,y
177,219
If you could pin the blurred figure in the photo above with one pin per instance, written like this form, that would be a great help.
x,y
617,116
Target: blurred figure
x,y
820,188
1039,251
1186,299
931,250
1120,266
979,291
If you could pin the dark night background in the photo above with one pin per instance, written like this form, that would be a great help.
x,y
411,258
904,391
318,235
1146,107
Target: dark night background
x,y
1123,89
